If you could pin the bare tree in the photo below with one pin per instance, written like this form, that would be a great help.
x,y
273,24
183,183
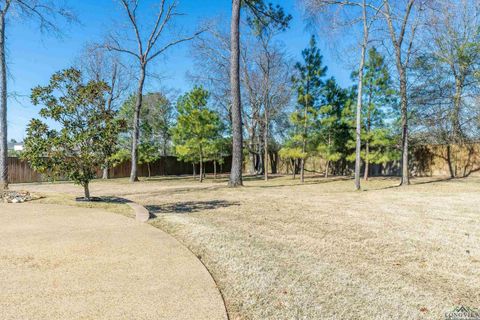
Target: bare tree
x,y
402,28
45,13
346,13
147,50
454,36
446,81
211,53
271,64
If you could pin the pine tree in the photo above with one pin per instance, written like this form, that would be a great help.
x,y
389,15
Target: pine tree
x,y
308,83
333,132
197,130
377,137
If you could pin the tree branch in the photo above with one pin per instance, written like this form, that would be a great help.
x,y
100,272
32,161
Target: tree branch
x,y
173,43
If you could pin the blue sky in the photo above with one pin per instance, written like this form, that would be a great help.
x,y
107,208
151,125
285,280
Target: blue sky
x,y
33,57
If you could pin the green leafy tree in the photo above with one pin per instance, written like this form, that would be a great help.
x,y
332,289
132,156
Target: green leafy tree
x,y
217,151
197,129
75,149
308,83
147,154
293,152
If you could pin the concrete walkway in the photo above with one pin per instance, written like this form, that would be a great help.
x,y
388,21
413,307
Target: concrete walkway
x,y
59,262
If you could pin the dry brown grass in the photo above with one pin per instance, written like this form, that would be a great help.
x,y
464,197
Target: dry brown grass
x,y
112,205
281,250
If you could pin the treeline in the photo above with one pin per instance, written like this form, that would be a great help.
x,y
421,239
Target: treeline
x,y
416,82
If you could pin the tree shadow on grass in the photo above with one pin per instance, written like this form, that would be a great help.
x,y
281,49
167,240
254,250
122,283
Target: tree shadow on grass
x,y
414,182
113,199
311,180
189,206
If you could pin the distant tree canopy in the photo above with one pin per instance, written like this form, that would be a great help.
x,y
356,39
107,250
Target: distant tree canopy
x,y
197,134
157,117
421,86
74,150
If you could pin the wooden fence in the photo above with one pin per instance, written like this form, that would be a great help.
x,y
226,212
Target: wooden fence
x,y
427,160
20,171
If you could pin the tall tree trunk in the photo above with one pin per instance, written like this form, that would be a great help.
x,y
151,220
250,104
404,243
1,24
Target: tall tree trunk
x,y
252,160
260,166
302,170
266,104
194,170
3,110
327,166
265,146
402,74
457,103
367,161
367,129
449,161
105,173
201,166
457,135
294,171
404,111
304,140
214,169
358,130
251,147
237,134
149,171
273,162
136,123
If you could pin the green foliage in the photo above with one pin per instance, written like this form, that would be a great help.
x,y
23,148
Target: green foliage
x,y
378,109
333,132
120,156
197,134
156,120
266,17
307,83
86,128
14,153
218,149
293,153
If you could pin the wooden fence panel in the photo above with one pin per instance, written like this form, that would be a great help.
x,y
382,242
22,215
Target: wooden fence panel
x,y
20,171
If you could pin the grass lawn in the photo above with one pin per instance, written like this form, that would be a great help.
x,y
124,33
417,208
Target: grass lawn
x,y
282,250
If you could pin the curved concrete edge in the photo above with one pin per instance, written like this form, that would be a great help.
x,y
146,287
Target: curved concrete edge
x,y
141,213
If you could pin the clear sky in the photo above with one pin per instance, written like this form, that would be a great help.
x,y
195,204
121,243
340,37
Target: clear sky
x,y
33,57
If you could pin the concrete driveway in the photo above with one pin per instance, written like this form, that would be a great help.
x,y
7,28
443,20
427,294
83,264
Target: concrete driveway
x,y
59,262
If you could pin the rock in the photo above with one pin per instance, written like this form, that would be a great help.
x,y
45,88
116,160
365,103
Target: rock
x,y
15,196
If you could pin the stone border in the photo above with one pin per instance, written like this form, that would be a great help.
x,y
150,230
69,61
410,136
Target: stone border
x,y
141,214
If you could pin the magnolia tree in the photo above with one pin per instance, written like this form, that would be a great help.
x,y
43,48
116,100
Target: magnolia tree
x,y
74,150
